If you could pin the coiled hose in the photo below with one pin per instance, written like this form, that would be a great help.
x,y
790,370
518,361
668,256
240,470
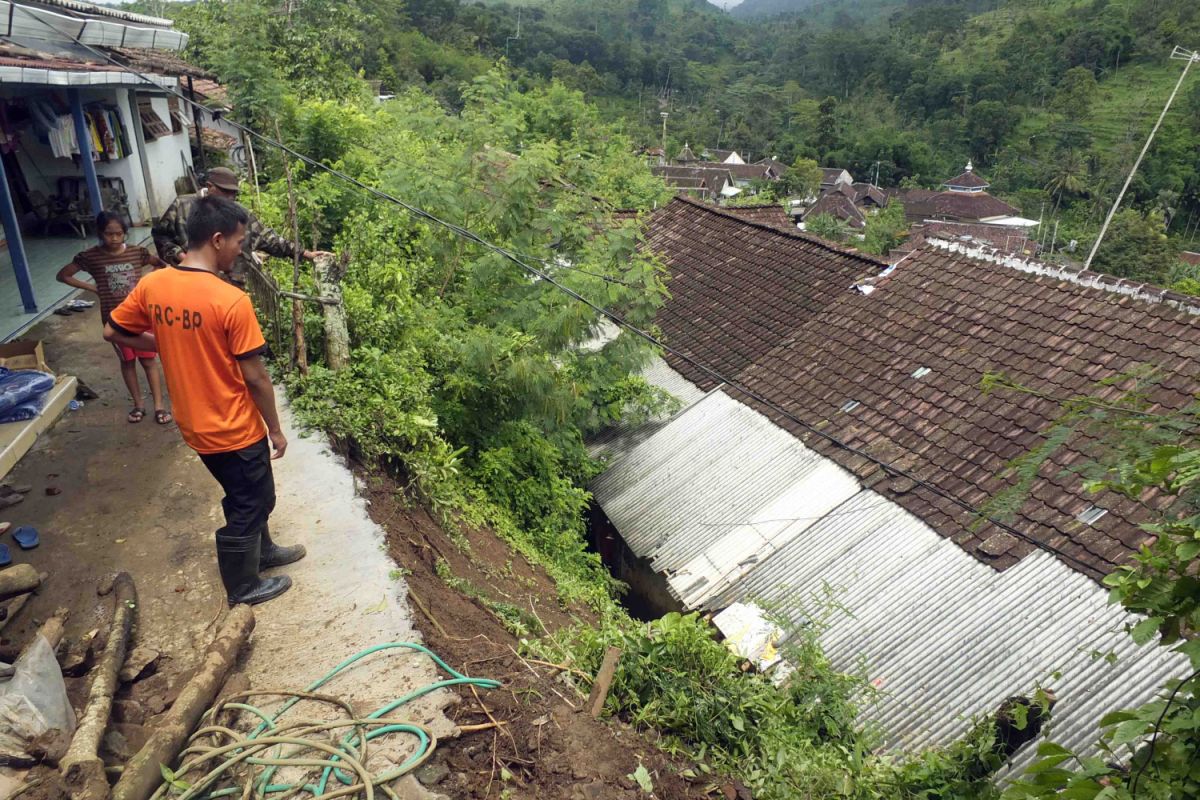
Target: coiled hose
x,y
225,750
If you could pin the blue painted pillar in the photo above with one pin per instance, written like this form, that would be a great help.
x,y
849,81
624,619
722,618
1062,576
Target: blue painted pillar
x,y
85,151
16,246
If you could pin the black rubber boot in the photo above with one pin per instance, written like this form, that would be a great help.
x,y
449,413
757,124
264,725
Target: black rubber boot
x,y
274,555
237,560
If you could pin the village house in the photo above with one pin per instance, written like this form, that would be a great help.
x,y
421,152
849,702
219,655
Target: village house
x,y
867,483
706,182
80,134
722,156
963,198
833,176
850,203
725,174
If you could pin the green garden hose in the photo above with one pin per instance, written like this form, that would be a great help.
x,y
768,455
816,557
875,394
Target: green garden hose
x,y
346,761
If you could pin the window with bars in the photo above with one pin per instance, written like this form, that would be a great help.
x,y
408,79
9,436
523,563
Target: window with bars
x,y
152,124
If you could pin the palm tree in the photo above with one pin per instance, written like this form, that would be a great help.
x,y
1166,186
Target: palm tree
x,y
1067,178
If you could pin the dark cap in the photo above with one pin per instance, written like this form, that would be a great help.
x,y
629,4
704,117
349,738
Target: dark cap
x,y
223,178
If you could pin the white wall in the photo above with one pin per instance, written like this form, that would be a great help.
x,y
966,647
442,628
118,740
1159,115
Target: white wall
x,y
168,156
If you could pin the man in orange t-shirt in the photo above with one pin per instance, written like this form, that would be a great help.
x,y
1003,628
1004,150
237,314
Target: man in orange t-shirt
x,y
211,347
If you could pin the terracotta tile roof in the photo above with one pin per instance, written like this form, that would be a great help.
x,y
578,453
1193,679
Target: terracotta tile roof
x,y
213,139
829,175
739,288
743,172
714,177
960,206
961,317
770,214
210,90
719,155
15,55
968,180
775,164
55,63
163,62
838,205
865,191
1006,238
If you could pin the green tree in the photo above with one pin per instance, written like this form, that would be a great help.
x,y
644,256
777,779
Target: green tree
x,y
1067,178
803,179
827,126
1137,247
988,123
828,227
1076,91
885,229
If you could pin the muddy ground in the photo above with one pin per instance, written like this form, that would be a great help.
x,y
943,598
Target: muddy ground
x,y
550,747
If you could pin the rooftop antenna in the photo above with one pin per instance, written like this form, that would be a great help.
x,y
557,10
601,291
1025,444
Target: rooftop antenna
x,y
513,38
1178,54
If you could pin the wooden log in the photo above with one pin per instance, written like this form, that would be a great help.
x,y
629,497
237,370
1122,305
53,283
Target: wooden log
x,y
51,630
18,579
82,767
604,679
329,273
142,774
17,603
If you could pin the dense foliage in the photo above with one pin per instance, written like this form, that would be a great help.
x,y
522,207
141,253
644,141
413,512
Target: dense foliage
x,y
800,739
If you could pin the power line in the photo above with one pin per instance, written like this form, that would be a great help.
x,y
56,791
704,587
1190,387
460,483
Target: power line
x,y
1177,54
620,321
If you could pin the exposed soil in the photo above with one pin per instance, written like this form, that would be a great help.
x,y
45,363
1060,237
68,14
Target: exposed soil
x,y
550,747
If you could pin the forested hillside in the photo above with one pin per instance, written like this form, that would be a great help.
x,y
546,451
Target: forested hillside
x,y
1051,98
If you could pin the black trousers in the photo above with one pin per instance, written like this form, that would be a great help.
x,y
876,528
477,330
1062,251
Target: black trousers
x,y
249,486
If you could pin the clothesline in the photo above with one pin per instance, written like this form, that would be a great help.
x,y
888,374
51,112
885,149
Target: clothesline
x,y
54,125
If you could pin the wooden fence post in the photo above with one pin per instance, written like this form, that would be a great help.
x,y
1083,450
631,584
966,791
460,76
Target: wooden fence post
x,y
329,272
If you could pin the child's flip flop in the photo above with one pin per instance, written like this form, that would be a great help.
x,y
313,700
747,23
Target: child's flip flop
x,y
5,556
26,537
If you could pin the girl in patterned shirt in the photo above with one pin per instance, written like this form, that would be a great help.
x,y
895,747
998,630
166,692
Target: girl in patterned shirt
x,y
115,268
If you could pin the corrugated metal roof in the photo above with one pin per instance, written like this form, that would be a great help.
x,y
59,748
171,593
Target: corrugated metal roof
x,y
615,442
40,23
732,508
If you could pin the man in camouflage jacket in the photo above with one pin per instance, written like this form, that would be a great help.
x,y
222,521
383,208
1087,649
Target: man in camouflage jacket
x,y
170,231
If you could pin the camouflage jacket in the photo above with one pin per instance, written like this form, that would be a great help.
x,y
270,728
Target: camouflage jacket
x,y
170,237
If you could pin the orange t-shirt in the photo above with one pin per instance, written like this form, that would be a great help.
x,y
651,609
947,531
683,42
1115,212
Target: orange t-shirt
x,y
204,326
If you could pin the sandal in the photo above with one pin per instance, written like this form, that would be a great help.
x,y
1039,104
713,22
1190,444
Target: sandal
x,y
163,417
26,537
136,415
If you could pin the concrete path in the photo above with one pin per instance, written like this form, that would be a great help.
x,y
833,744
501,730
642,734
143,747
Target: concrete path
x,y
134,497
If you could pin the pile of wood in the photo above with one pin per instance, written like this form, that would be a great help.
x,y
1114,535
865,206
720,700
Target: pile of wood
x,y
132,720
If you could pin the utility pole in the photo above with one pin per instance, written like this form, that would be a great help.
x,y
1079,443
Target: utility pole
x,y
664,115
1178,54
513,38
